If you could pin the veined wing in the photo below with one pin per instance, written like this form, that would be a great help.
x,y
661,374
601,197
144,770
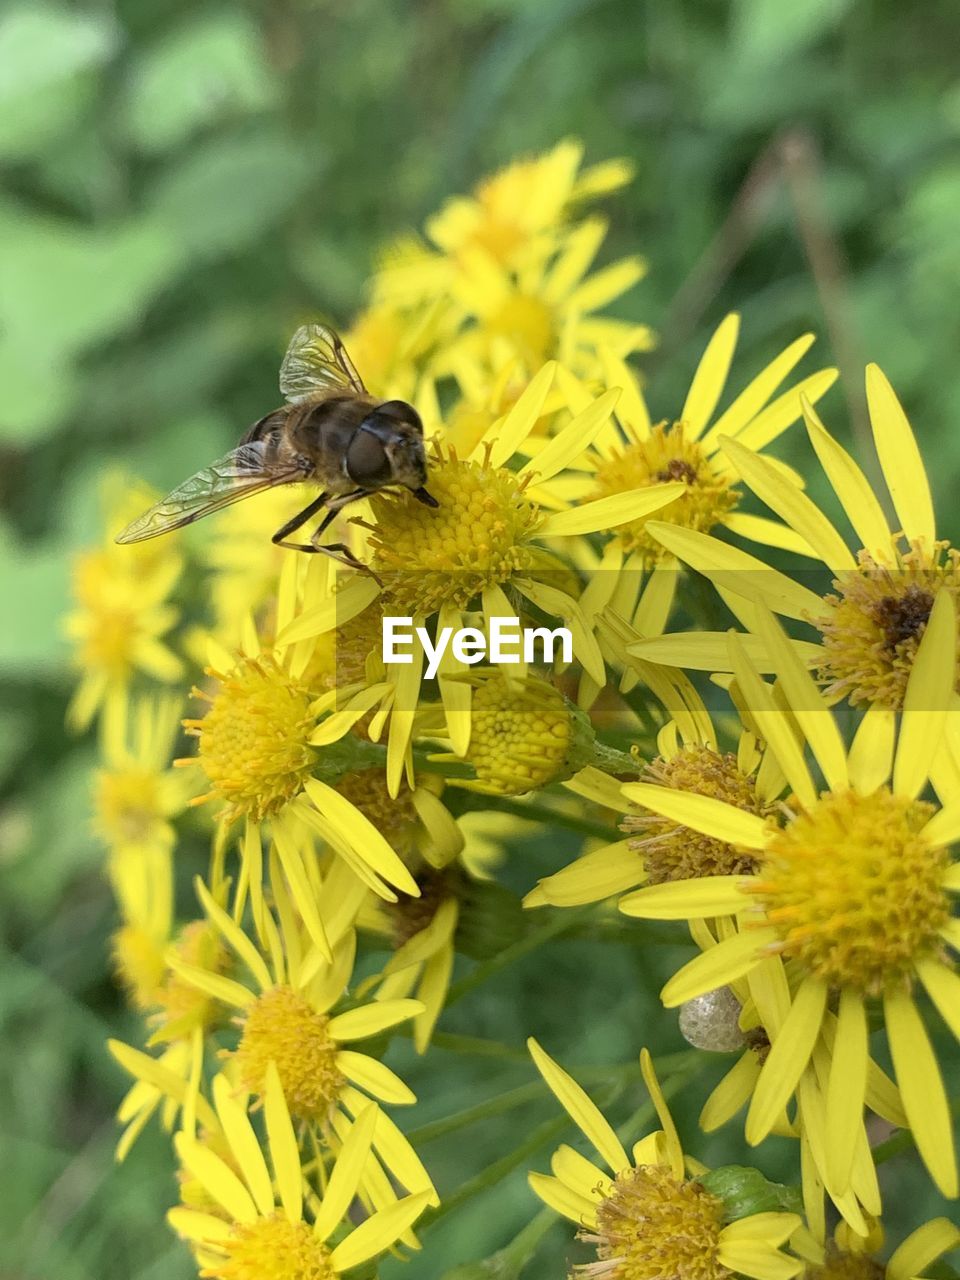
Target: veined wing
x,y
317,360
239,474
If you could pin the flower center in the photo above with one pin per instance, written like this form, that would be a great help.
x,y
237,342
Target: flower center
x,y
672,852
667,455
855,890
477,537
652,1225
521,736
282,1027
409,915
253,739
873,627
128,805
273,1249
528,323
839,1265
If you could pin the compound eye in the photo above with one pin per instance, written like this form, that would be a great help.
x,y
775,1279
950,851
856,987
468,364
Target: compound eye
x,y
367,461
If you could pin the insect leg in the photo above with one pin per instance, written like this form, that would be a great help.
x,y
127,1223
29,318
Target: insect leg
x,y
294,523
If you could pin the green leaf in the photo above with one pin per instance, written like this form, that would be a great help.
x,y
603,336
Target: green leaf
x,y
40,45
208,69
746,1191
229,192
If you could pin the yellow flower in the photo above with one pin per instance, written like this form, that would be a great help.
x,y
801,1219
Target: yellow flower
x,y
686,450
269,1229
656,849
885,585
485,537
117,628
652,1218
849,1256
284,1013
876,926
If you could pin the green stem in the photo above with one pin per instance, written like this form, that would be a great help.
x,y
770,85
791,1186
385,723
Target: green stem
x,y
612,760
494,1106
523,1246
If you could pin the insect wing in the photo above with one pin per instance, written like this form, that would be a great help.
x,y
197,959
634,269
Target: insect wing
x,y
317,360
239,474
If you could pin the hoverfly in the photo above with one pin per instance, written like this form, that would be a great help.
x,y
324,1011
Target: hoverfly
x,y
331,432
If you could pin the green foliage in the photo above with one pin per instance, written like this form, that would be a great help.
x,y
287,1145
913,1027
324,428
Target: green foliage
x,y
184,184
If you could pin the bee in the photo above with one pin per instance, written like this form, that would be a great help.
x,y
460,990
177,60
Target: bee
x,y
331,432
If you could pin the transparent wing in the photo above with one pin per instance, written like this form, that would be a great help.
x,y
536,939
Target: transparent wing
x,y
239,474
317,360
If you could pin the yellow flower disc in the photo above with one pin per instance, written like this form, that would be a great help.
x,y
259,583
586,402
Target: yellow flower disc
x,y
254,739
272,1249
672,852
139,965
477,537
873,627
129,806
282,1027
856,892
652,1225
529,324
521,735
667,454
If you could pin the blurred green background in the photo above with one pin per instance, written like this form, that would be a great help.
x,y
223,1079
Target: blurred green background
x,y
182,183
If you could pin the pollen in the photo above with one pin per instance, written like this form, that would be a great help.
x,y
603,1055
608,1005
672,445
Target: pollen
x,y
667,454
254,738
880,907
272,1248
873,626
673,852
524,735
652,1225
478,536
282,1027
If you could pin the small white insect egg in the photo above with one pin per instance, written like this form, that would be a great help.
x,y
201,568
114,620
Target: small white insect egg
x,y
711,1022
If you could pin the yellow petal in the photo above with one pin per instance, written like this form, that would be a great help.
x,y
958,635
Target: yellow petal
x,y
607,513
559,1197
217,1178
358,831
718,967
851,487
900,459
506,436
921,1247
705,814
214,984
846,1089
711,376
339,609
710,651
929,693
788,1056
371,1019
942,985
735,570
234,936
772,724
558,603
757,1260
871,754
594,876
347,1173
686,899
812,714
671,1138
757,392
379,1232
201,1228
921,1087
244,1144
568,444
603,286
284,1153
771,533
772,1228
294,869
375,1078
732,1093
784,411
584,1113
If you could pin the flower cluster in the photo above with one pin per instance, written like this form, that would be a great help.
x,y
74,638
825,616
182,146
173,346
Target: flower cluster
x,y
772,758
